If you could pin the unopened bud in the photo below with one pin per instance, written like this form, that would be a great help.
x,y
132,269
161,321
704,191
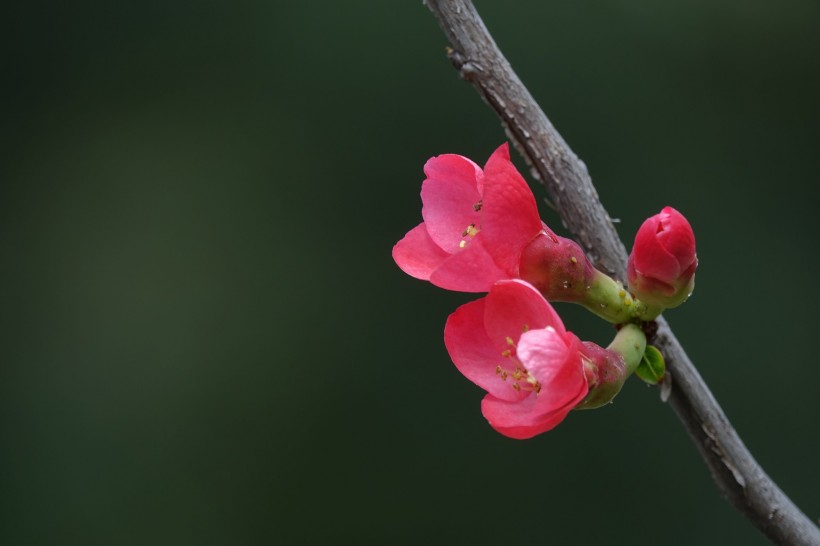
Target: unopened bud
x,y
661,267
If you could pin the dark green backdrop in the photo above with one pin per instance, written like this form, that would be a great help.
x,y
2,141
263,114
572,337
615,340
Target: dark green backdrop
x,y
204,340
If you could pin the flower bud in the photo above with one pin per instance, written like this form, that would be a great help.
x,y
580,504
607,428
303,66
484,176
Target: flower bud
x,y
661,267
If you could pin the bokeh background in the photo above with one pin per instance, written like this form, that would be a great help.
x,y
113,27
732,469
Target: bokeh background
x,y
203,337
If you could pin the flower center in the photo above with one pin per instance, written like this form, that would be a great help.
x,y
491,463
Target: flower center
x,y
513,370
471,231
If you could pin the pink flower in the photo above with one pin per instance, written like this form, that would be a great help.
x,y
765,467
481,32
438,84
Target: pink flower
x,y
483,226
513,344
661,267
476,223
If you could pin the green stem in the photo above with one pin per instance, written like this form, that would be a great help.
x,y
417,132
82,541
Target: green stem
x,y
630,343
608,299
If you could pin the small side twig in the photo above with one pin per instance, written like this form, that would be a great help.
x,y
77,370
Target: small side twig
x,y
738,476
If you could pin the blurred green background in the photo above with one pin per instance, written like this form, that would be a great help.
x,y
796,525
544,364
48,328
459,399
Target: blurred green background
x,y
204,338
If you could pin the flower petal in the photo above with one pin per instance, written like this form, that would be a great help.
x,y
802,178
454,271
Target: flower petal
x,y
471,270
555,362
513,307
473,353
645,285
516,419
450,195
542,352
650,257
417,255
510,217
677,236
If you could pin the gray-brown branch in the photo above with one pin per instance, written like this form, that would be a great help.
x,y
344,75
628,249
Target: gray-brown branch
x,y
738,476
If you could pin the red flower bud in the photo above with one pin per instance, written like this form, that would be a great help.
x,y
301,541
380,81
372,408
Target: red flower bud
x,y
661,267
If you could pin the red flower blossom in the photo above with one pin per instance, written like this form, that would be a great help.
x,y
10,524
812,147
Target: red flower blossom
x,y
482,226
661,267
513,344
476,223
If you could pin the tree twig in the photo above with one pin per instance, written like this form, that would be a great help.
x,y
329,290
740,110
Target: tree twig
x,y
738,476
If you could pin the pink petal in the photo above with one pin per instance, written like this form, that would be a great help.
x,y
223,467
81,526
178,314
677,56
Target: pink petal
x,y
471,270
555,361
561,390
473,353
510,217
417,255
450,197
646,285
542,352
650,258
517,420
677,236
513,307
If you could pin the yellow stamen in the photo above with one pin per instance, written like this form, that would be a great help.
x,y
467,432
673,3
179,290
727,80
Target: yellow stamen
x,y
471,231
